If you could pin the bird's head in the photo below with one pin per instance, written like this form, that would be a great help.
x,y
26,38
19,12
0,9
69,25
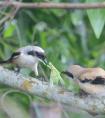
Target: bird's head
x,y
73,71
37,53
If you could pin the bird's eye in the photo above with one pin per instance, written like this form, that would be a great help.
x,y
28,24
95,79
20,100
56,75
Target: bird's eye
x,y
37,54
40,55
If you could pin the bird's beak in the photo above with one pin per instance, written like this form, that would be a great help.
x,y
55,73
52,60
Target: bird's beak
x,y
45,61
67,73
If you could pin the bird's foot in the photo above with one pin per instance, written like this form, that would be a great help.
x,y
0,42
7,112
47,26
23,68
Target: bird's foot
x,y
82,94
17,70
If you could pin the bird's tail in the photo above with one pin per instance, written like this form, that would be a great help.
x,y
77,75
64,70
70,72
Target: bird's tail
x,y
5,61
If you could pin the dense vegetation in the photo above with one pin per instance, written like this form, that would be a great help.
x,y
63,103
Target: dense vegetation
x,y
68,37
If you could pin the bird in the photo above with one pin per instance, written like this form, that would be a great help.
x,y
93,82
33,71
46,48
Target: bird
x,y
90,80
27,57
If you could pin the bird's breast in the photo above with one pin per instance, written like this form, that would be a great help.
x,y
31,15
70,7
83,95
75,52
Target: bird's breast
x,y
25,61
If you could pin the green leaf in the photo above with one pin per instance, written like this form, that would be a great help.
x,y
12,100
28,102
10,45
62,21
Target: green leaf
x,y
55,77
97,18
9,29
76,17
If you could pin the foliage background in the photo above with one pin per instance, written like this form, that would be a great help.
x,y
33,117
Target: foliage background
x,y
68,37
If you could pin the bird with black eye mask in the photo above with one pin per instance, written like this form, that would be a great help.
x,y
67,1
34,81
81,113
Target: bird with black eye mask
x,y
28,57
90,80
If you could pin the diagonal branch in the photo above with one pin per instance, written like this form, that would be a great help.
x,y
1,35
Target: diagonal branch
x,y
8,16
50,5
58,94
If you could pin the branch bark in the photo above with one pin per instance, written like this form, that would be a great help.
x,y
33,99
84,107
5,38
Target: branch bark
x,y
58,94
50,5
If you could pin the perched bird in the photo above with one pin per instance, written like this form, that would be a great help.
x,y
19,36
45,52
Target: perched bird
x,y
28,56
90,80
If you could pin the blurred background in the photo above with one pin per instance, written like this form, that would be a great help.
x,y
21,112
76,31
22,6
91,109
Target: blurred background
x,y
68,36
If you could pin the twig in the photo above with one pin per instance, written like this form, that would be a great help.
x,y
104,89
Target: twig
x,y
36,87
50,5
8,16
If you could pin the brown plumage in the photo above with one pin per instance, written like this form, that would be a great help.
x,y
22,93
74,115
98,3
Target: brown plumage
x,y
90,80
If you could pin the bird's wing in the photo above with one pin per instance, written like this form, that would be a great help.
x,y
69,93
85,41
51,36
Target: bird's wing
x,y
93,76
14,55
10,59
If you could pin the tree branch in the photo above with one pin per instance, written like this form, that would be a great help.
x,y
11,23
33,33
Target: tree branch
x,y
58,94
50,5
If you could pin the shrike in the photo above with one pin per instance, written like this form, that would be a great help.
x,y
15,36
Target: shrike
x,y
90,80
28,56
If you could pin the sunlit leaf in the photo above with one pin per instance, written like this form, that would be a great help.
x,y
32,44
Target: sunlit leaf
x,y
55,77
9,29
